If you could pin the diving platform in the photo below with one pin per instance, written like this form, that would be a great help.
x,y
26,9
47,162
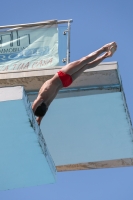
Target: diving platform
x,y
87,126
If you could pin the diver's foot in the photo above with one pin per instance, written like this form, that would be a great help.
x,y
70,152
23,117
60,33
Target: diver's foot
x,y
107,47
111,50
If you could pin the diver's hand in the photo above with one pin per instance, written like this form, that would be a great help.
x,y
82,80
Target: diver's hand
x,y
39,119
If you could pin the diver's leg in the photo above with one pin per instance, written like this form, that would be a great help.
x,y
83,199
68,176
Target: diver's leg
x,y
90,65
75,66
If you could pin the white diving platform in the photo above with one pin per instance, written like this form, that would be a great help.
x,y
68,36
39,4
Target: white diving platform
x,y
24,157
88,125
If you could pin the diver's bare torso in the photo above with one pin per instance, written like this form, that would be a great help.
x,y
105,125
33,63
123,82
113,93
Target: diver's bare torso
x,y
49,89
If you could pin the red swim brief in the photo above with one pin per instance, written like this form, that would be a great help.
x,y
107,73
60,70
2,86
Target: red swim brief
x,y
66,79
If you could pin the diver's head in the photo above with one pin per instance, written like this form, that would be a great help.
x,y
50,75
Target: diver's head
x,y
41,110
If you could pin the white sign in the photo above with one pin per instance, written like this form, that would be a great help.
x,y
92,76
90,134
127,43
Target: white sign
x,y
29,48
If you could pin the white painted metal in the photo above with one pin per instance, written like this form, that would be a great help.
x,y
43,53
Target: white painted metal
x,y
55,21
68,42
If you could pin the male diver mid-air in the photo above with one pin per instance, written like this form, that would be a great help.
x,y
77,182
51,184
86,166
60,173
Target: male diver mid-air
x,y
66,76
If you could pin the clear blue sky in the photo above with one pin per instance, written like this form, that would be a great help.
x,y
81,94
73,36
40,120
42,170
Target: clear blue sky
x,y
94,24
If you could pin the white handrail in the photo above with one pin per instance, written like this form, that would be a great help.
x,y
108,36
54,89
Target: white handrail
x,y
49,22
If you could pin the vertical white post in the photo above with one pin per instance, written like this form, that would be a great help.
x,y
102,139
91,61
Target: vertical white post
x,y
68,42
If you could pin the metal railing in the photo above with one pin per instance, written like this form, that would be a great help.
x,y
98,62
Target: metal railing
x,y
43,23
49,22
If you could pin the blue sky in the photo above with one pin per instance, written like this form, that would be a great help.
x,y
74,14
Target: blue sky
x,y
94,24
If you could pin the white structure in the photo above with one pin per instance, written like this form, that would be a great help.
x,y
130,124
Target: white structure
x,y
87,125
